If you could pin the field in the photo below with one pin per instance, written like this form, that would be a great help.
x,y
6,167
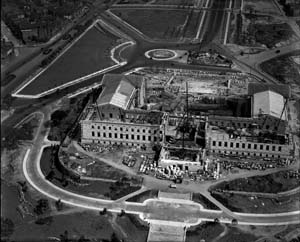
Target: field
x,y
272,183
283,68
89,54
248,204
162,24
261,6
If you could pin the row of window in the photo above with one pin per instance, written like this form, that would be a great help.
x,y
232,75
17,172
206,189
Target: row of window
x,y
238,124
230,123
245,153
246,146
123,136
124,129
118,143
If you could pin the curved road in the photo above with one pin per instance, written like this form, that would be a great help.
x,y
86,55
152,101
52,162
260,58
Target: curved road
x,y
177,212
183,213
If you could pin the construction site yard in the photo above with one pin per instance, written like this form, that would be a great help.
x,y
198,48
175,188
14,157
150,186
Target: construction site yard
x,y
198,82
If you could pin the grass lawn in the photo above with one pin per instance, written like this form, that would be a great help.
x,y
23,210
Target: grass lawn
x,y
159,2
174,2
144,196
197,197
89,54
236,235
261,6
272,183
135,229
99,189
246,204
207,231
162,24
283,68
89,224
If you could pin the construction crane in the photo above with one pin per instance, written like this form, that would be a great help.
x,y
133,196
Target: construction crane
x,y
284,106
184,124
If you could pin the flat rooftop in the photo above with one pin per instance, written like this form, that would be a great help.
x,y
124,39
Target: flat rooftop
x,y
283,90
244,135
130,116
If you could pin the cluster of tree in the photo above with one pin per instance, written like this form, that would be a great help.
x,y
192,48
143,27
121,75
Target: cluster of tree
x,y
51,57
12,137
7,101
287,8
156,148
42,207
59,205
7,228
65,238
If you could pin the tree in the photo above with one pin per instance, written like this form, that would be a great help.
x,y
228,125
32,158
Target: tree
x,y
7,228
42,207
114,238
217,220
83,239
104,211
64,237
47,220
10,139
234,221
50,175
122,213
59,205
57,116
7,101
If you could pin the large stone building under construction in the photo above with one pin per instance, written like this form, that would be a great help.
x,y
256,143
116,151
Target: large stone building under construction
x,y
117,116
120,116
263,134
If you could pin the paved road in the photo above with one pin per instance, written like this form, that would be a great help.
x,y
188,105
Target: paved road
x,y
213,21
150,210
36,178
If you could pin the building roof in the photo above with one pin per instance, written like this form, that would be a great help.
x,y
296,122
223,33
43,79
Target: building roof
x,y
118,90
284,90
268,102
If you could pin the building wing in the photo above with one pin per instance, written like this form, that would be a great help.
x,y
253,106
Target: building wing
x,y
117,91
270,103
